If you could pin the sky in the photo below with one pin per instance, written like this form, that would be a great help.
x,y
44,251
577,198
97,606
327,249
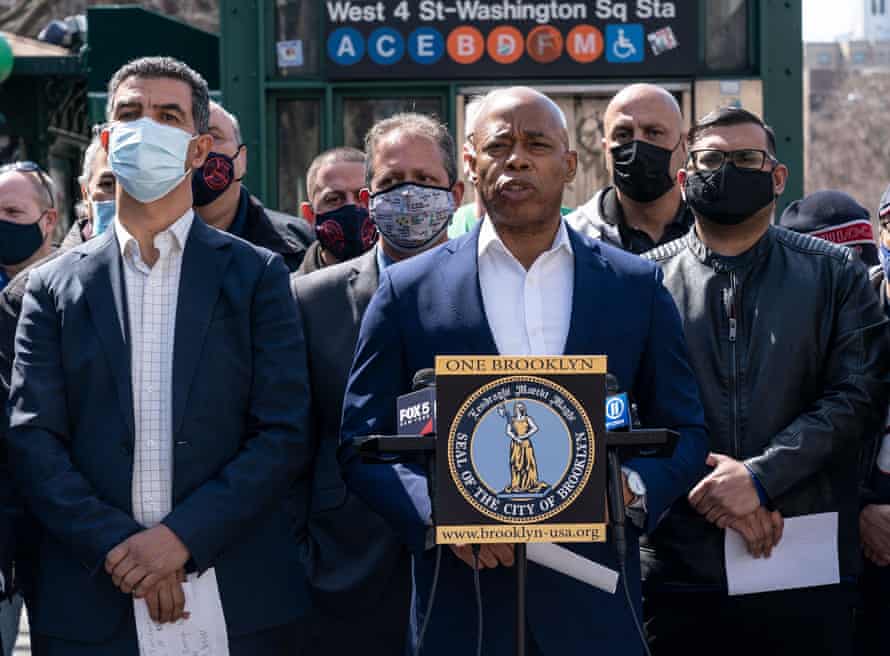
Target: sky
x,y
823,20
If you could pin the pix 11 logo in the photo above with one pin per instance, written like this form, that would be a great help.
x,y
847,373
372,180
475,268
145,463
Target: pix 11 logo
x,y
466,45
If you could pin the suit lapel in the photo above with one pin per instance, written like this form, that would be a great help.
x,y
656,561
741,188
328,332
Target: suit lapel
x,y
363,281
459,276
587,310
101,275
204,261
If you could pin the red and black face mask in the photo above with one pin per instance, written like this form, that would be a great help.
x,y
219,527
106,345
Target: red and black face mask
x,y
346,232
211,180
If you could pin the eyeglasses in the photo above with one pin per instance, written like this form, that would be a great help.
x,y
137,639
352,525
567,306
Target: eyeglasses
x,y
32,167
748,158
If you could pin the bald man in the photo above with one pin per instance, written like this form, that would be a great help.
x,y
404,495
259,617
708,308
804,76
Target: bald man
x,y
645,146
510,289
225,203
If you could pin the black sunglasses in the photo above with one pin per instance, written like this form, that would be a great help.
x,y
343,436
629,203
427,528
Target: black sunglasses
x,y
27,166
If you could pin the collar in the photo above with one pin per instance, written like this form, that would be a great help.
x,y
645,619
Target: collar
x,y
722,263
239,224
179,229
489,239
613,214
383,260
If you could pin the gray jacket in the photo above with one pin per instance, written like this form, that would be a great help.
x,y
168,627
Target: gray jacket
x,y
789,346
602,217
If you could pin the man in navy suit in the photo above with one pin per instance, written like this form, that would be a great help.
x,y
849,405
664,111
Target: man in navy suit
x,y
154,430
523,283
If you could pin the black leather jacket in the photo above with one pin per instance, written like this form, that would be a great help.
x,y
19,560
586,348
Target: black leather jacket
x,y
789,346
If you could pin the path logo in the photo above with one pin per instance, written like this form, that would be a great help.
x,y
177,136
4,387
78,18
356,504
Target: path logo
x,y
544,44
521,449
466,45
585,44
505,44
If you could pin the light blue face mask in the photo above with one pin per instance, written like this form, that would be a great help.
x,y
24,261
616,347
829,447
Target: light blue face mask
x,y
103,215
147,158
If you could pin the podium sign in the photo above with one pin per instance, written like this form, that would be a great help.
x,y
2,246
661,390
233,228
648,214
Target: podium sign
x,y
520,450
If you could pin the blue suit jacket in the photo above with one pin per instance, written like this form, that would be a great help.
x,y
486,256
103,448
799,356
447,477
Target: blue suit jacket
x,y
240,448
432,304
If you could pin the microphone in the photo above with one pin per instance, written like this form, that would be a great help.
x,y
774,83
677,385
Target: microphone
x,y
416,411
621,413
423,378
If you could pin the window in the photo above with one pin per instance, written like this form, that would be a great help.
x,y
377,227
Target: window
x,y
299,141
824,59
359,114
297,37
726,36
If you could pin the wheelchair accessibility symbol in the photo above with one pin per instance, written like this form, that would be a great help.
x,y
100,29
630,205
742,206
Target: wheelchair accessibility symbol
x,y
625,44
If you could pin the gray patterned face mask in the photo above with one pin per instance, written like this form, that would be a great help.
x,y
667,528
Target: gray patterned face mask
x,y
411,216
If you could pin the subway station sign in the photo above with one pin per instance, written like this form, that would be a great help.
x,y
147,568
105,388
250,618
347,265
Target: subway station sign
x,y
496,39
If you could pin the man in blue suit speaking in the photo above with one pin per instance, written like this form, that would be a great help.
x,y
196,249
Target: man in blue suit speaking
x,y
159,397
523,283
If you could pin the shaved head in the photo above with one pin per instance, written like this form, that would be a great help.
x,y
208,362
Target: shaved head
x,y
649,94
521,161
649,115
500,100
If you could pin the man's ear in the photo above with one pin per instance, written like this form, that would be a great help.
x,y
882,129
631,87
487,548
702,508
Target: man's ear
x,y
469,156
306,211
571,165
458,192
50,218
780,178
242,155
682,175
364,197
203,144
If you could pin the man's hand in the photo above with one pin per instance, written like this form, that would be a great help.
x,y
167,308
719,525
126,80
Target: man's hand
x,y
728,490
490,555
166,601
139,563
761,529
874,531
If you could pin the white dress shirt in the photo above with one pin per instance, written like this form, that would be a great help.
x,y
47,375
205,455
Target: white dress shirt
x,y
152,295
529,312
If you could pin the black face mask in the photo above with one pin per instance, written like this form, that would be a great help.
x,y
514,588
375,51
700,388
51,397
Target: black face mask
x,y
213,179
729,195
346,232
642,171
19,241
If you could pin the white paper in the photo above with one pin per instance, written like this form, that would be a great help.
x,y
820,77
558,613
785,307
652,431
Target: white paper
x,y
571,564
202,634
806,556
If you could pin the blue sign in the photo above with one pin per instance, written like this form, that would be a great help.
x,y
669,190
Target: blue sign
x,y
346,46
426,45
617,412
386,46
625,44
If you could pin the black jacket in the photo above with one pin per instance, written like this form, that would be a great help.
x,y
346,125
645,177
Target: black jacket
x,y
287,235
356,564
16,528
789,345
